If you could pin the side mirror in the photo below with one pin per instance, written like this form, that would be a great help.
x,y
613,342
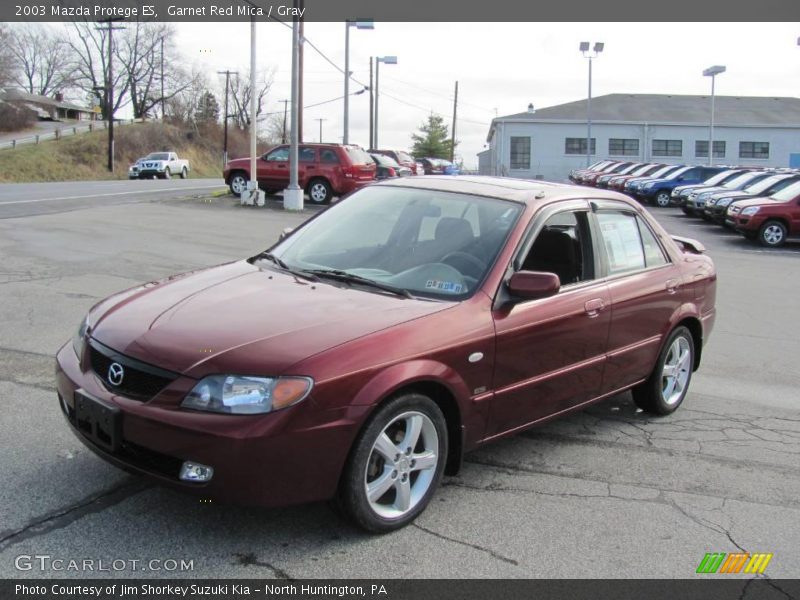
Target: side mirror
x,y
285,233
530,285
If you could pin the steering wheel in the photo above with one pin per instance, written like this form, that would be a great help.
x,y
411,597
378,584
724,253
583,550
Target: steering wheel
x,y
472,265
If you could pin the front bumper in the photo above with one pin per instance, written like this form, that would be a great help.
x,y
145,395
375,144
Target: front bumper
x,y
288,457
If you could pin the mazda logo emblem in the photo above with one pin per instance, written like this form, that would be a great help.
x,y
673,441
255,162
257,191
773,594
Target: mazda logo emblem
x,y
115,374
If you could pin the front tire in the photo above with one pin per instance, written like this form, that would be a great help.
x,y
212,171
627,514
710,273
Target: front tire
x,y
395,465
772,234
167,173
665,389
662,199
184,173
237,183
319,191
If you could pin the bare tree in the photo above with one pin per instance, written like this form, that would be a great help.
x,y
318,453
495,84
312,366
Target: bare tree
x,y
89,44
41,63
182,106
6,58
239,107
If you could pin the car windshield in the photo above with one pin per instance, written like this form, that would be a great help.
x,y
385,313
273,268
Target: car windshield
x,y
663,171
739,181
764,184
432,243
385,161
677,173
720,177
358,156
158,156
787,193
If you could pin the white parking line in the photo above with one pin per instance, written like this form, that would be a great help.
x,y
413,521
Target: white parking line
x,y
128,193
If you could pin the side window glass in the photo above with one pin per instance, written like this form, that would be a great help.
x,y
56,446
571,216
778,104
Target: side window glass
x,y
622,242
307,154
328,156
279,154
653,254
563,247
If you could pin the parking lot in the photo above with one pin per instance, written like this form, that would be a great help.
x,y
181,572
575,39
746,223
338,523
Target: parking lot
x,y
607,493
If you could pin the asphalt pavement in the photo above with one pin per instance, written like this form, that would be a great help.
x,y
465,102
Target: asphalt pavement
x,y
24,199
607,493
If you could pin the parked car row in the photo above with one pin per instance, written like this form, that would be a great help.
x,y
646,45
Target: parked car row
x,y
328,170
762,204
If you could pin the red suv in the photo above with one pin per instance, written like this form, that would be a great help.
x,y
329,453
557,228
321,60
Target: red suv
x,y
771,219
324,170
404,159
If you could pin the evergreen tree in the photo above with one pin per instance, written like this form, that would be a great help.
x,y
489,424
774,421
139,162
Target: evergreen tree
x,y
433,140
207,108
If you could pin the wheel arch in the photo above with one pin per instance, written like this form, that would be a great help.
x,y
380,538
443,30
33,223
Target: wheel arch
x,y
696,329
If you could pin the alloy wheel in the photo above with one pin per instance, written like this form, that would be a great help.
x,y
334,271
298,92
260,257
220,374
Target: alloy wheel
x,y
677,367
402,465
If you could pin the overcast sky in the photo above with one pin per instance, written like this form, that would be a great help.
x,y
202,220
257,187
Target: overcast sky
x,y
499,66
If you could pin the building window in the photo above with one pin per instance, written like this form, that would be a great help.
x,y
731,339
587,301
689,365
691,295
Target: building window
x,y
578,146
520,153
667,148
753,149
701,149
623,147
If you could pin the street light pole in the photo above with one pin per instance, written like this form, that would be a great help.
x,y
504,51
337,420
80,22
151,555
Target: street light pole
x,y
584,48
359,25
388,60
320,128
227,74
293,195
371,108
712,72
285,104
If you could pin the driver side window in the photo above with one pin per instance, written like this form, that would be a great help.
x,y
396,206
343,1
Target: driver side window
x,y
278,155
563,246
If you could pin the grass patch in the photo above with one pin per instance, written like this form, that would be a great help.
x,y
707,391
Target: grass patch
x,y
84,156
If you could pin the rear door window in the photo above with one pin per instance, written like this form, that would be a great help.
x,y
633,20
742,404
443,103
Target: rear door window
x,y
620,236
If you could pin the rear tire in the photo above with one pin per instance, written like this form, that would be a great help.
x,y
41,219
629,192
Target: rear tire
x,y
395,464
666,388
772,234
662,199
319,191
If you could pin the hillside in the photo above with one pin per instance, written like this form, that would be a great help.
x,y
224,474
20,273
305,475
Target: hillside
x,y
83,156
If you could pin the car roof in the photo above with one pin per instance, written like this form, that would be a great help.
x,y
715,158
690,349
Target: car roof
x,y
506,188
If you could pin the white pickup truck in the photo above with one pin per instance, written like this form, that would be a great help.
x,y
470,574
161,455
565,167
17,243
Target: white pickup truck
x,y
159,164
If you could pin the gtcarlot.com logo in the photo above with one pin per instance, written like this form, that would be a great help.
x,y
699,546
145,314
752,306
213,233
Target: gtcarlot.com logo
x,y
736,562
47,562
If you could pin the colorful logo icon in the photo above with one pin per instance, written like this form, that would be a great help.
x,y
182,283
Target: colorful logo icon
x,y
736,562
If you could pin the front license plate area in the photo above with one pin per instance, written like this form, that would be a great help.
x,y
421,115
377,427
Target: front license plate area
x,y
99,422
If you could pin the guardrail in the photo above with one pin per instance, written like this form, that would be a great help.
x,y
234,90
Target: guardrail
x,y
57,134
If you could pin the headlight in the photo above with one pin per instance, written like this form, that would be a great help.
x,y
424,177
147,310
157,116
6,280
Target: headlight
x,y
79,339
750,211
724,202
648,185
244,395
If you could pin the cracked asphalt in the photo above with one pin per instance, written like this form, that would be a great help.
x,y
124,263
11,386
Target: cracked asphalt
x,y
605,493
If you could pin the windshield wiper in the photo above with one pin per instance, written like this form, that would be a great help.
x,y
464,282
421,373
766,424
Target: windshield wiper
x,y
271,257
339,275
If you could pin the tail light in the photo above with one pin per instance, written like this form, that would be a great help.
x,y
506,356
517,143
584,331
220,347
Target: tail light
x,y
349,172
392,172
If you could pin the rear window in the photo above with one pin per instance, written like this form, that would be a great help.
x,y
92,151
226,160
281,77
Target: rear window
x,y
385,161
358,156
405,157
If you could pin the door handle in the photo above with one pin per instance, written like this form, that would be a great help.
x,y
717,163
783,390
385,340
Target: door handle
x,y
593,307
672,285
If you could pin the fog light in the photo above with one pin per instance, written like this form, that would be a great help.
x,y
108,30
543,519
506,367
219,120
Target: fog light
x,y
195,472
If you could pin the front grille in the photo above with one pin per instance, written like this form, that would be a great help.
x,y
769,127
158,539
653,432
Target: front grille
x,y
140,381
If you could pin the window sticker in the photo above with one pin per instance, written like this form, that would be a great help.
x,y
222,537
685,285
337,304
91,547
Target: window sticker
x,y
444,286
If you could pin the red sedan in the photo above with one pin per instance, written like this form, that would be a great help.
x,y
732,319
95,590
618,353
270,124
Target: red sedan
x,y
363,354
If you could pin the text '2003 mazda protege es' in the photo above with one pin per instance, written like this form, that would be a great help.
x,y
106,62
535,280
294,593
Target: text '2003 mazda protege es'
x,y
364,353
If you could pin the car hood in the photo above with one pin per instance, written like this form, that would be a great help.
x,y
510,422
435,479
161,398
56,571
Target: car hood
x,y
731,194
758,201
239,318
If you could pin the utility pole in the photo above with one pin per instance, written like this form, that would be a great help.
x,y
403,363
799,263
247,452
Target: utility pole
x,y
320,128
293,195
301,33
371,109
109,88
163,99
285,104
227,74
453,132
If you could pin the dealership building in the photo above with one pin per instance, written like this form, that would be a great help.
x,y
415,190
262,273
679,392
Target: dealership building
x,y
547,143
